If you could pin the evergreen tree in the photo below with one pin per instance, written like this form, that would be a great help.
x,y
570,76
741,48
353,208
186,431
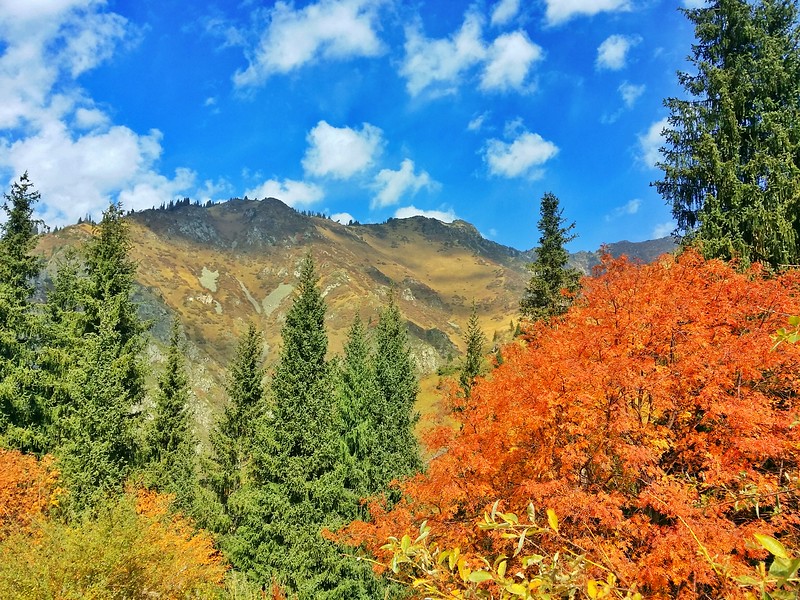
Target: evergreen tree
x,y
102,398
22,412
170,444
398,385
232,439
732,154
552,284
363,409
298,487
474,358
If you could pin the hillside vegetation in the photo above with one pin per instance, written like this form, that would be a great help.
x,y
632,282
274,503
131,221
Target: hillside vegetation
x,y
633,435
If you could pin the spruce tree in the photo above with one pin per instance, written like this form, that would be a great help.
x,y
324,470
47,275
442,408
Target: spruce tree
x,y
732,152
363,409
298,487
552,284
398,385
233,437
23,414
474,360
102,402
171,459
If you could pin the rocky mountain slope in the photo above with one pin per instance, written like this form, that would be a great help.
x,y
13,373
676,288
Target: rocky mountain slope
x,y
222,266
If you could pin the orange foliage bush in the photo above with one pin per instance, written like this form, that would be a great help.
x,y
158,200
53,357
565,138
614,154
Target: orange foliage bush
x,y
28,487
654,418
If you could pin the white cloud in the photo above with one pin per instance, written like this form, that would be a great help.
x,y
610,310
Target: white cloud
x,y
663,230
650,142
343,218
392,186
446,216
612,54
509,60
694,3
77,158
291,192
504,11
476,123
630,93
559,11
442,63
629,208
326,30
341,152
521,158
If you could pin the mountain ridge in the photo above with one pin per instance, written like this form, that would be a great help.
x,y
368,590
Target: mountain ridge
x,y
221,266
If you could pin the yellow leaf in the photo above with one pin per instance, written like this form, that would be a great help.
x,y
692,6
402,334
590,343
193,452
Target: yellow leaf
x,y
591,588
552,519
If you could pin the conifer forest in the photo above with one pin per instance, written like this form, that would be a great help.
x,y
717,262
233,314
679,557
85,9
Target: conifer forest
x,y
636,436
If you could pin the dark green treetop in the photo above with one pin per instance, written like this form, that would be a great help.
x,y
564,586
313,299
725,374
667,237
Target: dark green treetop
x,y
552,284
732,146
474,359
171,462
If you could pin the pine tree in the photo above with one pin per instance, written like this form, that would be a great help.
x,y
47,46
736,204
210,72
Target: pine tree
x,y
22,413
362,408
398,385
171,459
732,153
552,284
300,470
101,401
474,360
232,438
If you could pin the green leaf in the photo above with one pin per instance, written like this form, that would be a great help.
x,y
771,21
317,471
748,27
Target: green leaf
x,y
479,576
771,545
784,568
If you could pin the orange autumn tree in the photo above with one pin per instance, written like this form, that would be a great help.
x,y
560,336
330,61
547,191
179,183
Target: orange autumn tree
x,y
654,419
28,487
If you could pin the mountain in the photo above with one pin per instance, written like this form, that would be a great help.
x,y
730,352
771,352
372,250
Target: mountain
x,y
221,266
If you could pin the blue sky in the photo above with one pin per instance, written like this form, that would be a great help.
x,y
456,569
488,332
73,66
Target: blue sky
x,y
362,109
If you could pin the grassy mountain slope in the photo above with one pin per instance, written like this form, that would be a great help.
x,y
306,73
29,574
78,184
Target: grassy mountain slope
x,y
223,266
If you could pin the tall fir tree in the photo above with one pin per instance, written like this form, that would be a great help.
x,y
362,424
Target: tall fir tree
x,y
732,146
474,359
362,408
298,487
398,385
552,284
171,459
102,403
23,414
233,437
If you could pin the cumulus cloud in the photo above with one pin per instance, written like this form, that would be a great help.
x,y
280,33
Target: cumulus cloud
x,y
343,218
650,143
77,158
446,216
392,186
440,66
630,93
560,11
663,229
509,60
612,54
442,63
341,152
326,30
522,157
504,11
291,192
